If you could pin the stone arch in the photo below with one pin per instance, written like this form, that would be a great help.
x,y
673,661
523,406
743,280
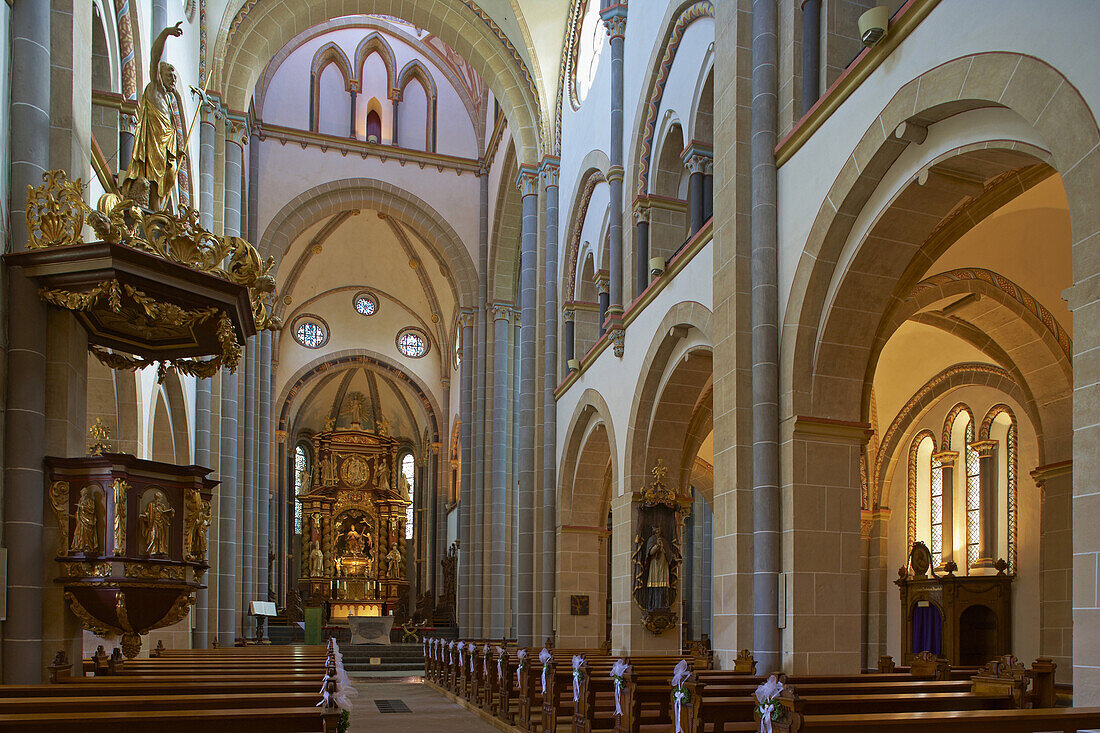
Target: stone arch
x,y
330,53
992,79
366,359
504,245
595,167
177,411
250,36
331,198
670,337
591,414
162,439
416,70
374,42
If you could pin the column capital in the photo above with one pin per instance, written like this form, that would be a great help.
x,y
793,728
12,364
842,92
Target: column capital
x,y
615,174
602,278
280,436
435,447
236,130
698,158
394,95
501,311
466,318
946,457
614,19
527,181
569,312
984,448
548,170
210,107
616,334
445,382
642,211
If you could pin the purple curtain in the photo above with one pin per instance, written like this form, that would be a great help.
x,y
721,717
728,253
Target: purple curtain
x,y
927,630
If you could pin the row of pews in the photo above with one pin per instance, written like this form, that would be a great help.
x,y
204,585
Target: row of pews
x,y
584,690
285,689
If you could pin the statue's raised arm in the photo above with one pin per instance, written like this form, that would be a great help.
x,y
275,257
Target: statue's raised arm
x,y
156,158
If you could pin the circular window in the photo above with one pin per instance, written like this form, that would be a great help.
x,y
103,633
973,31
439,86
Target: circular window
x,y
311,332
365,304
412,342
590,43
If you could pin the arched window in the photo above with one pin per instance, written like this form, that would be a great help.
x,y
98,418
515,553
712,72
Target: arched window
x,y
374,127
408,469
301,477
973,499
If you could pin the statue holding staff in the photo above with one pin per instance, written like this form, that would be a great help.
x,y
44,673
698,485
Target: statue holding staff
x,y
157,147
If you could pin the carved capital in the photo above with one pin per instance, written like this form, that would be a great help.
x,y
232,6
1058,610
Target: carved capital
x,y
614,19
615,174
617,335
946,458
395,95
466,318
984,448
548,170
527,181
642,214
236,131
569,313
501,311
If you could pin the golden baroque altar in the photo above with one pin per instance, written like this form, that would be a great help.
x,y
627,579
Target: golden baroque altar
x,y
353,524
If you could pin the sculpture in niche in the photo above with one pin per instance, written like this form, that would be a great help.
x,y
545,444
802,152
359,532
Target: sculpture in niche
x,y
656,570
315,527
330,423
656,556
316,561
86,534
156,519
393,562
157,147
120,488
198,512
303,480
403,484
382,475
328,470
356,409
383,426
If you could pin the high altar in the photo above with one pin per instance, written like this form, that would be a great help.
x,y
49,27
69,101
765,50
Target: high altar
x,y
353,538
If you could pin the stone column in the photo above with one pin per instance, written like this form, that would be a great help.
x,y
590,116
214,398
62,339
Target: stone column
x,y
203,407
466,409
987,526
127,126
569,316
264,458
614,18
601,278
395,98
641,241
878,584
498,507
527,181
158,17
247,416
811,52
1055,484
354,91
548,172
25,414
765,335
698,160
481,416
946,460
236,134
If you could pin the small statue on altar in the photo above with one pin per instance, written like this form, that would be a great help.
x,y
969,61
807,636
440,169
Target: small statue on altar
x,y
382,475
158,148
316,561
328,470
155,522
353,542
403,485
315,527
199,510
86,534
330,424
303,480
393,562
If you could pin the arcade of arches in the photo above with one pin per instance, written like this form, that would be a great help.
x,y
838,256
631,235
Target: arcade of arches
x,y
536,260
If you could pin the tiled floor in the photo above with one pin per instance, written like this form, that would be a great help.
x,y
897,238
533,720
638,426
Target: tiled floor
x,y
430,710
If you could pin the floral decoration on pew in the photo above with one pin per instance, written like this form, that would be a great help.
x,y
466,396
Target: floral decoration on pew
x,y
578,664
618,674
767,706
485,653
461,645
522,655
336,686
680,693
545,656
500,663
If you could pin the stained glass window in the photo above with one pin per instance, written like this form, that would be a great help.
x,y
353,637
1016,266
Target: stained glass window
x,y
301,470
412,343
365,304
937,512
311,333
1011,446
408,468
973,499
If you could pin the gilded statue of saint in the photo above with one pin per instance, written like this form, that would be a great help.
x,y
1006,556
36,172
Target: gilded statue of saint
x,y
86,534
657,572
382,475
155,523
403,484
199,510
353,542
393,562
157,147
328,470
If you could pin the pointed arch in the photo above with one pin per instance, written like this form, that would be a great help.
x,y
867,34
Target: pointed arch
x,y
375,43
911,499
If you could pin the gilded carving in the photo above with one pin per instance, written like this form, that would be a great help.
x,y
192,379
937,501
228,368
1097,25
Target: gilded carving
x,y
120,489
197,524
59,501
657,553
55,211
90,622
99,433
150,572
86,534
156,519
70,569
355,471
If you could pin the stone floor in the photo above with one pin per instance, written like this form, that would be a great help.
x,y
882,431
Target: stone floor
x,y
430,710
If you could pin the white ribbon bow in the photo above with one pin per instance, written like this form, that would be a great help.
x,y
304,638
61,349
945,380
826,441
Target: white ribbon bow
x,y
545,656
578,660
461,645
522,655
679,694
617,671
485,653
500,663
765,699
